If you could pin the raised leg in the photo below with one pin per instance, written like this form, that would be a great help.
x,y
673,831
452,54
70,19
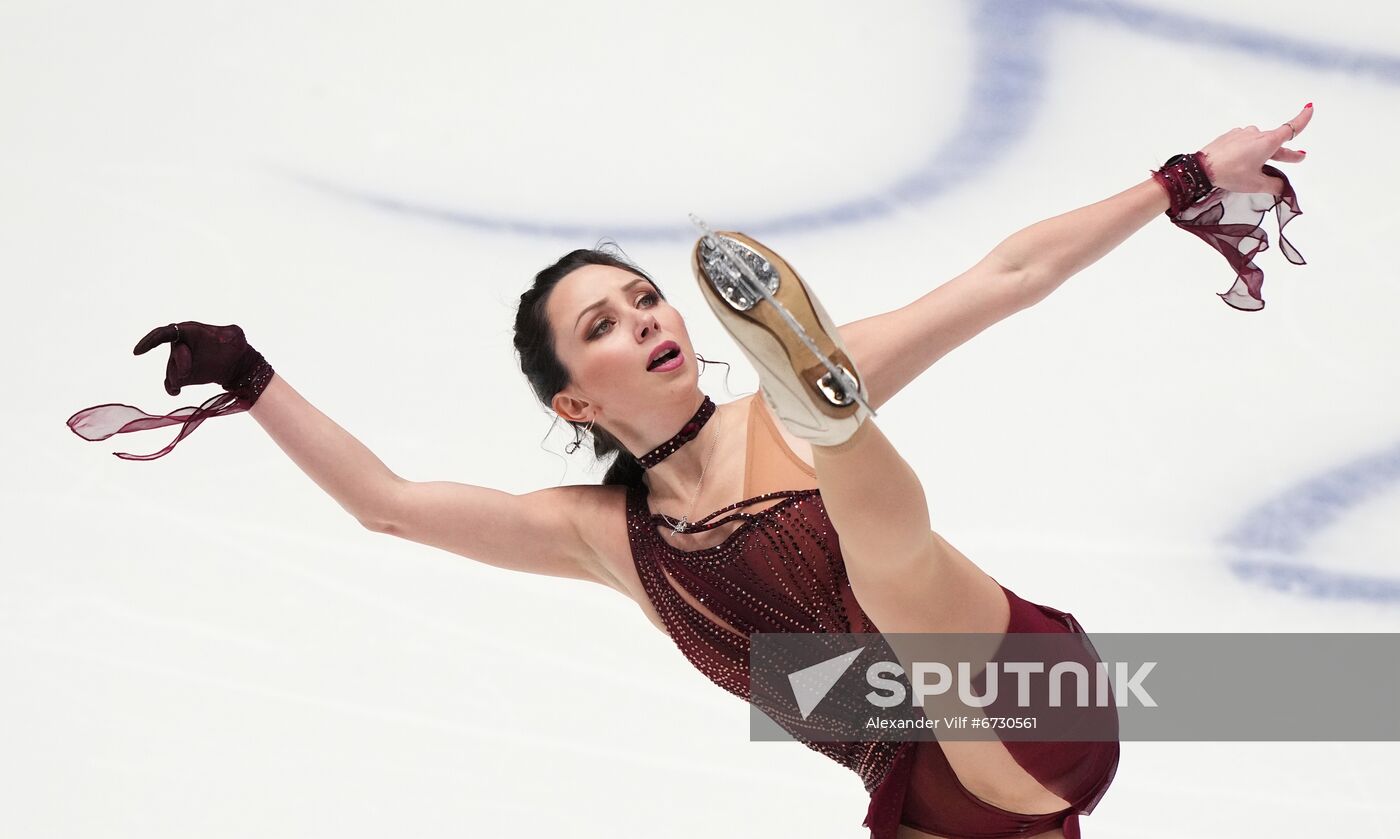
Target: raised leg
x,y
905,576
878,506
907,579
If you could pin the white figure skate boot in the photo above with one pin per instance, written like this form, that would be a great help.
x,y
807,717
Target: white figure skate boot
x,y
805,375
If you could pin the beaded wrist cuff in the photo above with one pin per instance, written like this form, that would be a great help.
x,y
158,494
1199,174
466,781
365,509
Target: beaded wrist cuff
x,y
1184,178
250,385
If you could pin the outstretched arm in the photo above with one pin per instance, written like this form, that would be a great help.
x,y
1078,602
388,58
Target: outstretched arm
x,y
537,532
893,348
328,454
1051,251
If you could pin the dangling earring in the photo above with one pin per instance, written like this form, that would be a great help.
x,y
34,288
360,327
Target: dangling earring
x,y
578,440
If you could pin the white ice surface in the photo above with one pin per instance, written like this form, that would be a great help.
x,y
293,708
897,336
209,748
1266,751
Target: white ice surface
x,y
208,646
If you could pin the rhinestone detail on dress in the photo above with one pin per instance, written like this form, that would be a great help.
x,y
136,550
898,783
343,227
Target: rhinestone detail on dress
x,y
781,570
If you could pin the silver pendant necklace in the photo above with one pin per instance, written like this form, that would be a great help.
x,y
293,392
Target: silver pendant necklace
x,y
684,523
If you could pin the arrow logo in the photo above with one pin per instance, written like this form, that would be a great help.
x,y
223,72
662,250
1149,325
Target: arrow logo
x,y
811,684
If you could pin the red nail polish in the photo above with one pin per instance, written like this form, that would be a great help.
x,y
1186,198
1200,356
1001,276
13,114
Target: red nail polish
x,y
1309,105
1300,151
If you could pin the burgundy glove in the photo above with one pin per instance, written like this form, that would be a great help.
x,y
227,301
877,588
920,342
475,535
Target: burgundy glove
x,y
202,354
199,354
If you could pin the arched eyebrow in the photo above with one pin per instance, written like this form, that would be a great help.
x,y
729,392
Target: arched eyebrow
x,y
590,306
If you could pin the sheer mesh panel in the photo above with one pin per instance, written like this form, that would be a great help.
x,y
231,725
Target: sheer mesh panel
x,y
1232,223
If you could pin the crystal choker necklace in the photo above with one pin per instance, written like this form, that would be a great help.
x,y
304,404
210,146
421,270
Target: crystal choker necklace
x,y
685,435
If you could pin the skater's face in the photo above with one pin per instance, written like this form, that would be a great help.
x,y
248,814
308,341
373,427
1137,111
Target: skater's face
x,y
607,322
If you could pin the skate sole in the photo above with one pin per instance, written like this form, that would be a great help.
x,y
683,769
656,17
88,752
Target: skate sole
x,y
791,374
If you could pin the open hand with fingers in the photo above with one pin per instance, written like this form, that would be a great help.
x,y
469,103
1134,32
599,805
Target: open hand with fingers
x,y
1222,193
1234,161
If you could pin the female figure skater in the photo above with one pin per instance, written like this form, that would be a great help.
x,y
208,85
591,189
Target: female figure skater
x,y
782,475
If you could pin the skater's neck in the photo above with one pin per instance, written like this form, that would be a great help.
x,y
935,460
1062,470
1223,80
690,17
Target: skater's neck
x,y
684,468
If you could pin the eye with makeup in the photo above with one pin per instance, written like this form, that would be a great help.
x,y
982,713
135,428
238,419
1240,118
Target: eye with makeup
x,y
597,329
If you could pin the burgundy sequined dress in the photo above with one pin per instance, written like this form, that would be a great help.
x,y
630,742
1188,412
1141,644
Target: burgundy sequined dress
x,y
779,569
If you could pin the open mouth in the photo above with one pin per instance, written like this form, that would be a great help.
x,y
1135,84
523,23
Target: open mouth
x,y
665,358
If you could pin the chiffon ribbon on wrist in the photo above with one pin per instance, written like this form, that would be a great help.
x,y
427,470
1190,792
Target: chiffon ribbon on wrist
x,y
102,421
1232,224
